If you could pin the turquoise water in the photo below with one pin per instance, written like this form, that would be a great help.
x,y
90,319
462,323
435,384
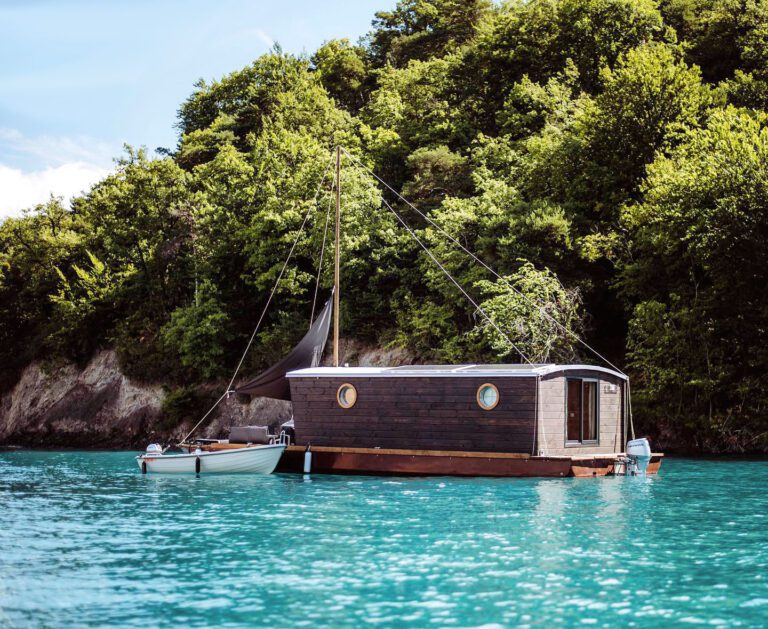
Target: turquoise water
x,y
87,540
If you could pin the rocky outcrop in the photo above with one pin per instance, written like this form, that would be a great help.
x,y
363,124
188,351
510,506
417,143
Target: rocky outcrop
x,y
64,406
99,407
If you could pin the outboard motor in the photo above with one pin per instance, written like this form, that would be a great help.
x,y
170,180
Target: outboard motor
x,y
154,449
639,450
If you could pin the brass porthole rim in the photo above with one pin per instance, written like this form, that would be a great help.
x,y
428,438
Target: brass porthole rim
x,y
338,395
479,401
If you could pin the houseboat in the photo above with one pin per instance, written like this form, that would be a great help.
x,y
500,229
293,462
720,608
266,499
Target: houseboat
x,y
465,420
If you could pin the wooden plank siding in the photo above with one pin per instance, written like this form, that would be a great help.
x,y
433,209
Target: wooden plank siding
x,y
551,432
431,413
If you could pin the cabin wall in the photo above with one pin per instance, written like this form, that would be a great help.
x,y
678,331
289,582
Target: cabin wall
x,y
552,415
416,413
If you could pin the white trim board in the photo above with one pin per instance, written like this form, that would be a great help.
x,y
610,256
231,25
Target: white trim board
x,y
448,371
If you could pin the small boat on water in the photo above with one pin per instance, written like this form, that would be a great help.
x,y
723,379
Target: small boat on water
x,y
250,449
259,459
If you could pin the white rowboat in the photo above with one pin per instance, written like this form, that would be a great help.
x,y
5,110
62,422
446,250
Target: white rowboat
x,y
260,459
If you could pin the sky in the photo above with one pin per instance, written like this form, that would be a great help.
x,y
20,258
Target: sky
x,y
81,78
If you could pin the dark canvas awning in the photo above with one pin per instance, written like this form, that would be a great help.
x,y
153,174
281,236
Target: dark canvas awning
x,y
308,353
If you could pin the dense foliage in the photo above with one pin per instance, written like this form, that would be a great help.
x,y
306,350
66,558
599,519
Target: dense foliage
x,y
609,158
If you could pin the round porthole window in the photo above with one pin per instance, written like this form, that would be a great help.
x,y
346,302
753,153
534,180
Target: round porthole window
x,y
487,396
346,395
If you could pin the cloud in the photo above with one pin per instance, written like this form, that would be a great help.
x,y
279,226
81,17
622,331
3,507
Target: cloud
x,y
32,169
49,150
19,189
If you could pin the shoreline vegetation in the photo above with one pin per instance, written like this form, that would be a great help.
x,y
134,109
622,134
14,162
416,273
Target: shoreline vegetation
x,y
608,157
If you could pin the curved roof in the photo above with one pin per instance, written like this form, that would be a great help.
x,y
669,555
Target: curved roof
x,y
446,371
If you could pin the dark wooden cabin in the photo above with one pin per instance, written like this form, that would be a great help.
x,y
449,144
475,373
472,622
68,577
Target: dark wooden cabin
x,y
539,410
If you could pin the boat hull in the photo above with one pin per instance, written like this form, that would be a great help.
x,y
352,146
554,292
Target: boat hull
x,y
330,460
379,461
254,460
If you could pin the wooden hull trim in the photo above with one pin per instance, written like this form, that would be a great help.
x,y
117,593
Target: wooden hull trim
x,y
655,463
375,461
592,466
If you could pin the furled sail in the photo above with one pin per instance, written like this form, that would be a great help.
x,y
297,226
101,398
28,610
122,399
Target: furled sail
x,y
308,353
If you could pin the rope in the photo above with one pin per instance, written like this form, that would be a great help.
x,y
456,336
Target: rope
x,y
320,264
543,312
210,410
266,306
450,277
629,404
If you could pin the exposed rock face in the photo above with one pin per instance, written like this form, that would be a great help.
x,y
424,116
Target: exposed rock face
x,y
96,407
99,407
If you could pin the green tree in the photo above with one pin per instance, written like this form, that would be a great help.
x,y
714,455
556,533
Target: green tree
x,y
140,218
699,274
591,156
198,333
540,317
436,173
594,34
541,39
86,301
344,73
421,29
248,96
32,248
649,102
721,36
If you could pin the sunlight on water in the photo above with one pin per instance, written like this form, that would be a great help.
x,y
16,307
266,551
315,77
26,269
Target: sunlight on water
x,y
87,540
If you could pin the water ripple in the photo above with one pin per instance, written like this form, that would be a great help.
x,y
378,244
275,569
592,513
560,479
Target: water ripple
x,y
89,541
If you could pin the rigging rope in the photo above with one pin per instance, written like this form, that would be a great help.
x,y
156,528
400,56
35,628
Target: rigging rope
x,y
543,312
459,286
312,206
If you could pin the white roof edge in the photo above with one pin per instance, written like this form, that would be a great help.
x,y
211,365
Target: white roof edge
x,y
443,371
548,369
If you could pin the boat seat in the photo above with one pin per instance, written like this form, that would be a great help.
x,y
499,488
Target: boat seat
x,y
249,434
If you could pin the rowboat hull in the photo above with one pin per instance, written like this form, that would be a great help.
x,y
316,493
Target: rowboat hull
x,y
253,460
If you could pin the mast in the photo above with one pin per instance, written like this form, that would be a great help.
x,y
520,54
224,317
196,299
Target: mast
x,y
337,261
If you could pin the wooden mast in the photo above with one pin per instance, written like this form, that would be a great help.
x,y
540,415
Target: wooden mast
x,y
337,261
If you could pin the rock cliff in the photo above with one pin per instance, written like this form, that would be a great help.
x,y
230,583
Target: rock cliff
x,y
99,407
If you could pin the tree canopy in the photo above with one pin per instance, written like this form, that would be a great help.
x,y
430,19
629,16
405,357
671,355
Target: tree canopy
x,y
607,157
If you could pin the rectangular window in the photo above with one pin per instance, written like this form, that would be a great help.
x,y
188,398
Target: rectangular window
x,y
582,411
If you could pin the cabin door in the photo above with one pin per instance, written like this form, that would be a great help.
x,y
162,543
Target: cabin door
x,y
582,411
574,411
